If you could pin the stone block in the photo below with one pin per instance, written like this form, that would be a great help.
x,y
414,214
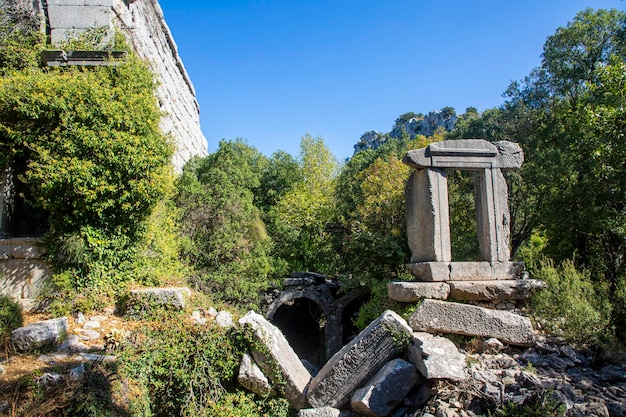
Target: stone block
x,y
40,334
430,271
79,17
436,357
279,356
380,396
518,289
485,271
252,378
172,297
23,280
446,317
492,215
319,412
358,361
427,216
408,292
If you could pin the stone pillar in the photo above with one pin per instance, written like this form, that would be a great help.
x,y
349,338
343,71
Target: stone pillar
x,y
427,216
492,215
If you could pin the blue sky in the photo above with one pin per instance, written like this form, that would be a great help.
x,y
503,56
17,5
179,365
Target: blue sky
x,y
270,71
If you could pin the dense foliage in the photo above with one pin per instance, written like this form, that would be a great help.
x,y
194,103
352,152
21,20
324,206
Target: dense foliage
x,y
83,145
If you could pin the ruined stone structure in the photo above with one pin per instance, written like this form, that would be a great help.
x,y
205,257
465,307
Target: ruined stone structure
x,y
314,316
22,276
428,224
147,32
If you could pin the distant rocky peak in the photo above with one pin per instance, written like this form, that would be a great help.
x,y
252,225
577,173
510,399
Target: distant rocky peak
x,y
411,123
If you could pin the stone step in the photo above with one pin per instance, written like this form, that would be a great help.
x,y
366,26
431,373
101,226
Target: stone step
x,y
519,289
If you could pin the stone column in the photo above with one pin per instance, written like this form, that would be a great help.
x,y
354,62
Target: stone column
x,y
428,219
492,215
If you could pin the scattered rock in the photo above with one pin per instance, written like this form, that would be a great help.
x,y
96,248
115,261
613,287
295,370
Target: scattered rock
x,y
380,396
78,373
447,317
408,291
437,357
251,377
91,325
492,345
225,319
173,297
319,412
49,379
88,334
72,344
358,361
39,334
279,357
197,318
80,318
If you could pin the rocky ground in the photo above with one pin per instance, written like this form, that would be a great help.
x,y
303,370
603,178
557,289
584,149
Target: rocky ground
x,y
551,371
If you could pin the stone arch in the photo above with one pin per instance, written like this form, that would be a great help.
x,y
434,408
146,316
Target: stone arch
x,y
302,316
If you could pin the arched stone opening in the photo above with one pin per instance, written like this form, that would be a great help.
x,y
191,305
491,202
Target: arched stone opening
x,y
348,316
303,323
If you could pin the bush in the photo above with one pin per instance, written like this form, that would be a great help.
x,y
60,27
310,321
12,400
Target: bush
x,y
571,307
183,369
10,317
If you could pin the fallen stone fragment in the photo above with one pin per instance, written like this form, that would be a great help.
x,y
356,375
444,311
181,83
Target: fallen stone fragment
x,y
319,412
492,346
173,297
437,357
409,292
88,334
72,344
39,334
92,325
93,357
516,289
77,373
279,357
358,361
49,379
252,378
446,317
380,396
225,319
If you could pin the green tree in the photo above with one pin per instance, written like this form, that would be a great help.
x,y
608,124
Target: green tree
x,y
227,242
301,216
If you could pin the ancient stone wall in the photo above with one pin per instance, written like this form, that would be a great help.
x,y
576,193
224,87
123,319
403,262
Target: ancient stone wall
x,y
145,28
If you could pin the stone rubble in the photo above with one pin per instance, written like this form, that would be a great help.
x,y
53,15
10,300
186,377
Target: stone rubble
x,y
381,395
40,334
358,361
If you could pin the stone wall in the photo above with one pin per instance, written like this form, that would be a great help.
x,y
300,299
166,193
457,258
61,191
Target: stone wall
x,y
145,28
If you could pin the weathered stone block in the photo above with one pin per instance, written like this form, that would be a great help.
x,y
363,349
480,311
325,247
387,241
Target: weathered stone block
x,y
430,271
519,289
77,17
380,396
319,412
279,357
358,361
446,317
173,297
492,215
23,280
39,334
427,216
485,271
408,292
436,357
251,376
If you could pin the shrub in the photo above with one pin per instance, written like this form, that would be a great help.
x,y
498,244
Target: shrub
x,y
571,306
183,369
10,317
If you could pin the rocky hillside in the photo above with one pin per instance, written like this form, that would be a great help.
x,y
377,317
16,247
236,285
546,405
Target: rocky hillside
x,y
411,123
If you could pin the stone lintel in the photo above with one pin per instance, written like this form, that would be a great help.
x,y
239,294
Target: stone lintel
x,y
410,291
430,271
518,289
466,154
